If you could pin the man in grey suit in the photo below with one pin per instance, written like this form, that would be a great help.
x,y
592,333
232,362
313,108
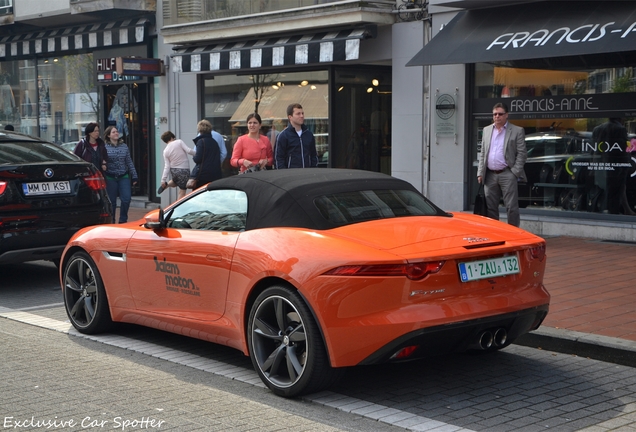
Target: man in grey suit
x,y
503,155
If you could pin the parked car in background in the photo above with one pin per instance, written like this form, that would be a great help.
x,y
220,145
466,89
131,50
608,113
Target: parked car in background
x,y
69,146
309,271
566,170
46,195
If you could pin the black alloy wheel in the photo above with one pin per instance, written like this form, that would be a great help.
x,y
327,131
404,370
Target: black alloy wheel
x,y
285,344
84,295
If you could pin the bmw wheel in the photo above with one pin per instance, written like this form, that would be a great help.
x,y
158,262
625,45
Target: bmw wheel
x,y
285,344
84,295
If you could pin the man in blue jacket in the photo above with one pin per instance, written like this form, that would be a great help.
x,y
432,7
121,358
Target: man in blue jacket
x,y
296,145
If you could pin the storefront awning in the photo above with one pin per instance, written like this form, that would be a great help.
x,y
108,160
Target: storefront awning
x,y
323,47
274,103
59,41
551,34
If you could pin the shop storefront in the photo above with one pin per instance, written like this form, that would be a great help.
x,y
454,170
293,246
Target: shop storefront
x,y
568,77
54,82
347,106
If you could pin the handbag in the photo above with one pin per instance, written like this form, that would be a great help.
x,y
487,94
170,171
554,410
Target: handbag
x,y
191,184
481,208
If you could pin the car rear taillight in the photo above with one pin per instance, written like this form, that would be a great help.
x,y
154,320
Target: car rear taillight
x,y
537,252
413,271
3,187
95,182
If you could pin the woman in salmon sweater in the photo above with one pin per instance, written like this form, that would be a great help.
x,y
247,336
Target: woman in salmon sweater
x,y
252,150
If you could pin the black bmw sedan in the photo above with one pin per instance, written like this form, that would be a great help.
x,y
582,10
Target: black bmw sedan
x,y
46,195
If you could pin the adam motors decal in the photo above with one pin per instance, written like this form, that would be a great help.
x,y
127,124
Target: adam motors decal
x,y
541,37
174,281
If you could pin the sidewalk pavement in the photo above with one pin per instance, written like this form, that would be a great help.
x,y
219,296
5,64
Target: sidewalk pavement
x,y
593,305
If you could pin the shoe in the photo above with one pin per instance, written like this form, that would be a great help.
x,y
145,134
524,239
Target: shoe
x,y
161,189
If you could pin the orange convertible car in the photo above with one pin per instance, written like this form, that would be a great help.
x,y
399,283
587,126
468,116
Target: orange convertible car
x,y
309,271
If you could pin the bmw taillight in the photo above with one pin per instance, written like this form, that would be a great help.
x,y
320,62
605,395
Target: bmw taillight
x,y
3,187
413,271
537,252
95,182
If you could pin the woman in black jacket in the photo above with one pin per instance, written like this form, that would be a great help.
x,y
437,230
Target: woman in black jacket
x,y
92,148
207,156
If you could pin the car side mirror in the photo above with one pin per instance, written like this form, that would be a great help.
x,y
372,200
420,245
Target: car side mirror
x,y
157,220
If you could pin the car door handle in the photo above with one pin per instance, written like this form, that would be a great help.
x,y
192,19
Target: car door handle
x,y
213,257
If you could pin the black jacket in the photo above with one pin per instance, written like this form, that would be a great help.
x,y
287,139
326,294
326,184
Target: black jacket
x,y
84,150
207,157
293,151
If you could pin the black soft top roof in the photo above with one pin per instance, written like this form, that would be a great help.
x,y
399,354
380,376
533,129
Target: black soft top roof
x,y
285,198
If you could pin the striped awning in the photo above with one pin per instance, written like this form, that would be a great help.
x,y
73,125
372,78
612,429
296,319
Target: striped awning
x,y
84,37
323,47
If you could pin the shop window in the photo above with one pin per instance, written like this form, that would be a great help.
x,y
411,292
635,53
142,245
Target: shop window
x,y
362,124
350,119
229,99
574,164
53,98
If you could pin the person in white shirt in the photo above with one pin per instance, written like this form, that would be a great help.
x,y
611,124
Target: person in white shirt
x,y
176,164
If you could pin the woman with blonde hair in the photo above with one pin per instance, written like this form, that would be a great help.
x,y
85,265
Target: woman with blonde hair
x,y
207,157
252,150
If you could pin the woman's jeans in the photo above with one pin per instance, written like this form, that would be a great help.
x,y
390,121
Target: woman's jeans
x,y
119,187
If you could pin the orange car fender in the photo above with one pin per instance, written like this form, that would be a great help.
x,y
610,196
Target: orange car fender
x,y
288,256
107,249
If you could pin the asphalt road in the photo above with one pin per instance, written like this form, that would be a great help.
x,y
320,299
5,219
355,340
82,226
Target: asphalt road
x,y
138,374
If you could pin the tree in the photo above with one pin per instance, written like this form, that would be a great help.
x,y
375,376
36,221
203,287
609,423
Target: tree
x,y
260,85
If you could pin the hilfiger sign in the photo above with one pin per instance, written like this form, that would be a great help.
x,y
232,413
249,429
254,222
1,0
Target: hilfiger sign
x,y
583,34
127,68
105,68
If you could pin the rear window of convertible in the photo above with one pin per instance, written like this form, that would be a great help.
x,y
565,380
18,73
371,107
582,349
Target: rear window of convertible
x,y
358,206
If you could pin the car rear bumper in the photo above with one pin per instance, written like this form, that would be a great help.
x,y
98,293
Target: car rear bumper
x,y
461,336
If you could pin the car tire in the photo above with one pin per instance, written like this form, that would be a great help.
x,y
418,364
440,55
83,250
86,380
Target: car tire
x,y
84,295
285,344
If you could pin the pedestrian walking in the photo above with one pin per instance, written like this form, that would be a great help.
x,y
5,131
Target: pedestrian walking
x,y
207,157
120,173
175,164
92,148
252,151
296,145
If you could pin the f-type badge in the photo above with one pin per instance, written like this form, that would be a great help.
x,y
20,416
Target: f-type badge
x,y
475,239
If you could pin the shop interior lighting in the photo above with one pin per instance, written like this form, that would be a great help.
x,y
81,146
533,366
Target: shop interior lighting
x,y
341,88
313,87
375,82
304,83
55,60
370,89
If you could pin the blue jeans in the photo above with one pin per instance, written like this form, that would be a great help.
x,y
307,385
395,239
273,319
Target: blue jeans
x,y
119,187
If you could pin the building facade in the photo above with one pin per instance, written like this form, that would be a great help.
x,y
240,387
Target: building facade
x,y
564,72
332,57
57,72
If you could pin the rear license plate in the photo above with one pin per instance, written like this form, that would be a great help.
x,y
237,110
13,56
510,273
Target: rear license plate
x,y
46,188
494,267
